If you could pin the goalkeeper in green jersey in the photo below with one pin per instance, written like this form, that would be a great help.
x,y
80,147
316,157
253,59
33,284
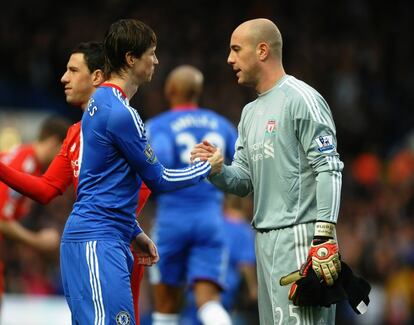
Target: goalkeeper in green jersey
x,y
286,156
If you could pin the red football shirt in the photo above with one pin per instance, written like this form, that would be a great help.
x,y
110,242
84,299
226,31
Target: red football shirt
x,y
13,205
64,170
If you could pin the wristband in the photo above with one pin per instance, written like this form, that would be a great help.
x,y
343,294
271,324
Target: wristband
x,y
324,229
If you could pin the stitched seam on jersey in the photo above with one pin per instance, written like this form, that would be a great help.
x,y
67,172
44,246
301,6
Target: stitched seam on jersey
x,y
237,164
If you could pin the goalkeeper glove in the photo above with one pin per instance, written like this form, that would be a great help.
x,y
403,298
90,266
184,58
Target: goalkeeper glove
x,y
323,255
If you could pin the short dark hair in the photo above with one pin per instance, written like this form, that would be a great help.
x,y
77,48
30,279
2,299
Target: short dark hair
x,y
93,54
123,36
54,127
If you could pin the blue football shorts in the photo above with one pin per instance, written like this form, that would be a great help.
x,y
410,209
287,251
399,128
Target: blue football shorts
x,y
96,281
191,247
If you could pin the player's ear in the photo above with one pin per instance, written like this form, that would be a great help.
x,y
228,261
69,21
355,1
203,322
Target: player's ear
x,y
130,59
98,77
262,51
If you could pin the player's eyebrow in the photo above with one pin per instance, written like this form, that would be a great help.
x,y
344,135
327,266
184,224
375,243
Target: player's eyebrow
x,y
235,47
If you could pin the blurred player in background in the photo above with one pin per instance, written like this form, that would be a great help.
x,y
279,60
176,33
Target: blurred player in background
x,y
85,72
286,153
239,239
96,261
189,227
30,159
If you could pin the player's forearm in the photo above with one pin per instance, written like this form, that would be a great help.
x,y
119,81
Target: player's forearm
x,y
14,230
328,195
31,186
249,273
233,179
174,179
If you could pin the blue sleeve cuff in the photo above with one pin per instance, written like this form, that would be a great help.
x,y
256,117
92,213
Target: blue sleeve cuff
x,y
137,230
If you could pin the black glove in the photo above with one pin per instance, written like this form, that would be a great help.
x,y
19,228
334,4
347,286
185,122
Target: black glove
x,y
310,291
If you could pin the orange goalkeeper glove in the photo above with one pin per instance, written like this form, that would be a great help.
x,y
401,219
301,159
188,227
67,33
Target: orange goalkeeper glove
x,y
323,254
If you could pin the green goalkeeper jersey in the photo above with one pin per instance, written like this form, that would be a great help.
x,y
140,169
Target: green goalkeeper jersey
x,y
286,155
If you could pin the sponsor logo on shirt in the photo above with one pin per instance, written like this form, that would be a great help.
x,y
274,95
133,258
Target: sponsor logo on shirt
x,y
263,150
325,144
75,167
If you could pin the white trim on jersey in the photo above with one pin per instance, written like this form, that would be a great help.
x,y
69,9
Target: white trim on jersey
x,y
135,116
300,184
309,97
80,150
301,246
302,249
333,163
188,173
185,170
92,261
312,92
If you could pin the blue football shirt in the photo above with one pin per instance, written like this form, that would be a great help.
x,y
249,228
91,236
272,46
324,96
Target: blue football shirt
x,y
115,157
172,135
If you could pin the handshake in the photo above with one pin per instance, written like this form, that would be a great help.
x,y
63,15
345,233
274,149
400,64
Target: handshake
x,y
206,151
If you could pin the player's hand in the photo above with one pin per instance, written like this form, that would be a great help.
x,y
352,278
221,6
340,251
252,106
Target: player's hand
x,y
324,258
145,250
48,240
202,151
216,162
323,254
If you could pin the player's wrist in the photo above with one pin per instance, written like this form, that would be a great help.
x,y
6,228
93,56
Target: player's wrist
x,y
324,231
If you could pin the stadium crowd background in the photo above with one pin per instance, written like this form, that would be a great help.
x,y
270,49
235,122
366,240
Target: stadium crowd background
x,y
358,54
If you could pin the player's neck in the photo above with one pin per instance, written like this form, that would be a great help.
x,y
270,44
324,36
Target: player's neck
x,y
183,104
269,78
41,150
127,86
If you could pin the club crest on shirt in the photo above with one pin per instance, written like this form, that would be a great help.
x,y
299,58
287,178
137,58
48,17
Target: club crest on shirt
x,y
123,318
271,127
325,144
149,153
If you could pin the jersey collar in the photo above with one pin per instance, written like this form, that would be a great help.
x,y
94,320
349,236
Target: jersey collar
x,y
108,84
184,107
